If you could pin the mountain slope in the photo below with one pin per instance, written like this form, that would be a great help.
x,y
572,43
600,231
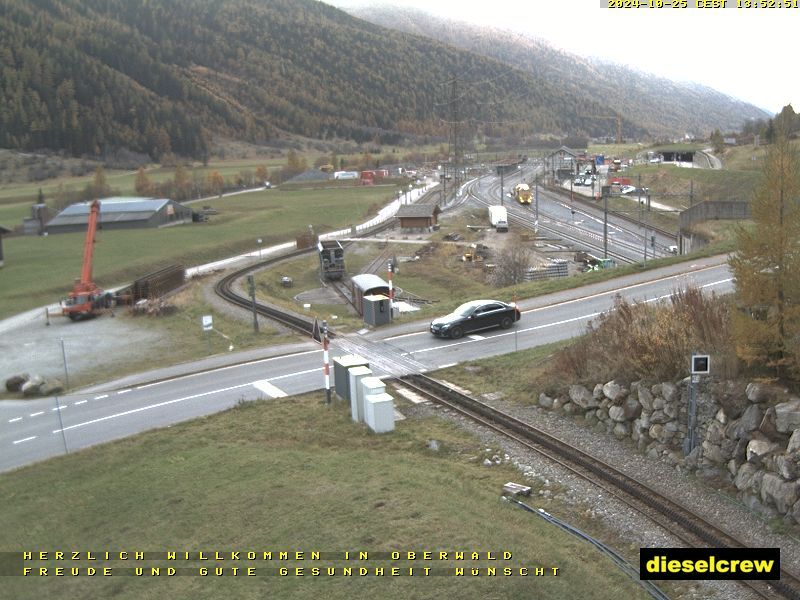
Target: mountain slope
x,y
159,76
664,107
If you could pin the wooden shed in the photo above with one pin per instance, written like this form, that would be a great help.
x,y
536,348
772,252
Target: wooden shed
x,y
418,216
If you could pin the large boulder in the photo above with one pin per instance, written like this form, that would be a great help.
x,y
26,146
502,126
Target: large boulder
x,y
15,382
670,392
632,408
616,413
545,401
614,391
659,417
787,415
760,448
745,476
781,493
645,398
794,441
656,431
751,418
643,422
51,387
671,410
788,465
582,397
757,392
768,425
713,453
31,387
715,432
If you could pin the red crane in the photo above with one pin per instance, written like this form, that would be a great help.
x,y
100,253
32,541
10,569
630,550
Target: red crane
x,y
86,298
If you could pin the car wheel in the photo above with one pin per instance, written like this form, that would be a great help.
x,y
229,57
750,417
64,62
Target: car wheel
x,y
456,332
506,322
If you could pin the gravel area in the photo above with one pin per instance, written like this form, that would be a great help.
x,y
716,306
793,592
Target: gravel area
x,y
28,345
573,498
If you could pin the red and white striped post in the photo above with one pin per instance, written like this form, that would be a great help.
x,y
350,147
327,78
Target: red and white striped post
x,y
327,366
391,289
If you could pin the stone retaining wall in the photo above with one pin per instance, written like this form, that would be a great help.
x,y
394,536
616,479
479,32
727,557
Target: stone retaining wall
x,y
748,435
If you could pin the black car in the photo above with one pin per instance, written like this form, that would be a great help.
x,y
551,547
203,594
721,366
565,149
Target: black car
x,y
474,316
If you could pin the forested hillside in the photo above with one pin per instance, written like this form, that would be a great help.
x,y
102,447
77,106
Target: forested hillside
x,y
663,107
159,76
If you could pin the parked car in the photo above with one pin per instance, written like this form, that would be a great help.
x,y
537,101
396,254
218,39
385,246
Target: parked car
x,y
475,316
627,189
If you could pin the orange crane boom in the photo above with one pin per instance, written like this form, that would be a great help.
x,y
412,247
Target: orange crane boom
x,y
88,244
86,298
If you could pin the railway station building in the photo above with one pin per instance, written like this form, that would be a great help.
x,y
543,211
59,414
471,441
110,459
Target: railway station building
x,y
561,164
122,213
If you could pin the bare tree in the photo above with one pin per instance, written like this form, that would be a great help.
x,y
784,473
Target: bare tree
x,y
511,266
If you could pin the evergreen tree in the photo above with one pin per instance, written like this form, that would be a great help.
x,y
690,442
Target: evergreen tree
x,y
766,264
717,141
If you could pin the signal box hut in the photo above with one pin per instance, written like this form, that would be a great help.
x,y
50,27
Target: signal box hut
x,y
366,284
122,213
418,216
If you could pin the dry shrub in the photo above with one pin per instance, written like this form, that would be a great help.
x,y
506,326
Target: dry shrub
x,y
652,340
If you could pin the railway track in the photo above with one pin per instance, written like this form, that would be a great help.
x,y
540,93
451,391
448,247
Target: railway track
x,y
691,528
303,325
583,241
224,289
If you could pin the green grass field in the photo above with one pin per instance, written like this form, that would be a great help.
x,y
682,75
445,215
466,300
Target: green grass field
x,y
40,270
294,475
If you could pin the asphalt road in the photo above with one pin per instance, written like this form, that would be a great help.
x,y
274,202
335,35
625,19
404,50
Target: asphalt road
x,y
38,429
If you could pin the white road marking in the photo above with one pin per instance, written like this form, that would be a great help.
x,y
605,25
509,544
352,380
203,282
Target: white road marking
x,y
252,362
79,402
36,414
15,420
59,407
269,389
316,370
476,337
149,406
123,391
101,397
27,439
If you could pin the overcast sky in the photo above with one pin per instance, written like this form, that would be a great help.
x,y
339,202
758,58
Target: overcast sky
x,y
750,54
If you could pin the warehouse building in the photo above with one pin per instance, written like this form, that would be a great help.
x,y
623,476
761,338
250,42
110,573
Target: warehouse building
x,y
122,213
